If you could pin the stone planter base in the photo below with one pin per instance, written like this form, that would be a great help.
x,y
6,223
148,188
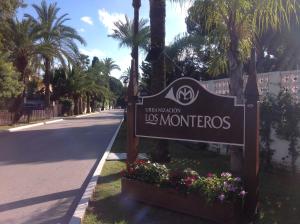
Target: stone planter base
x,y
195,205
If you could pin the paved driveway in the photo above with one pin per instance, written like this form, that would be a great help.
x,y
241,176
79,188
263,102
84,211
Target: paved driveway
x,y
44,170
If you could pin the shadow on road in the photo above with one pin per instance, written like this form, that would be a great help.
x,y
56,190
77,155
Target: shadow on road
x,y
52,145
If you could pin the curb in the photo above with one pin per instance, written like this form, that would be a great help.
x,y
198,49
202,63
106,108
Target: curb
x,y
25,126
33,125
43,123
54,121
84,201
85,115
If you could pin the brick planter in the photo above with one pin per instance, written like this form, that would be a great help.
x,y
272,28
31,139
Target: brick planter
x,y
195,205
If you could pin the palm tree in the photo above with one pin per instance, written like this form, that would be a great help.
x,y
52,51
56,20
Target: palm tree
x,y
20,39
239,24
124,33
54,33
156,55
109,65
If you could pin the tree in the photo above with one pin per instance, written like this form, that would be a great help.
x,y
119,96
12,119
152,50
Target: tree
x,y
124,33
76,87
54,33
20,39
157,58
239,24
156,55
10,86
8,8
287,124
109,65
115,86
95,61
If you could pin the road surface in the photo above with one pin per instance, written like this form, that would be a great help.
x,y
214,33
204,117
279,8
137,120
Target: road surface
x,y
44,170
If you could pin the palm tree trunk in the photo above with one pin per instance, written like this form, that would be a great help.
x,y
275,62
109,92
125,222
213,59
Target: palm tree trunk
x,y
236,89
103,104
93,104
80,105
157,25
76,104
135,50
47,82
21,65
88,103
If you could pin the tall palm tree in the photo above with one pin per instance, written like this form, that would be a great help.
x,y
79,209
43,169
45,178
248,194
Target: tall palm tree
x,y
156,55
20,39
54,33
109,65
157,58
239,24
124,33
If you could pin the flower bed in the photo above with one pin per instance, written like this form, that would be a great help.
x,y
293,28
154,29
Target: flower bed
x,y
217,198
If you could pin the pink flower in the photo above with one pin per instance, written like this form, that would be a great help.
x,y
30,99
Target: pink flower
x,y
238,179
221,197
243,193
209,175
226,174
189,180
140,162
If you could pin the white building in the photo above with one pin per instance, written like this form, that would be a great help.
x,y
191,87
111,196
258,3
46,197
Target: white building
x,y
271,82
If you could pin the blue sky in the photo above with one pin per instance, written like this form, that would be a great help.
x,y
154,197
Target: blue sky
x,y
93,19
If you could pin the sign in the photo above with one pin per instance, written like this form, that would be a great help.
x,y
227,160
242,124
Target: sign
x,y
185,110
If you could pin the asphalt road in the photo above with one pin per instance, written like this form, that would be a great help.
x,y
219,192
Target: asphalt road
x,y
44,170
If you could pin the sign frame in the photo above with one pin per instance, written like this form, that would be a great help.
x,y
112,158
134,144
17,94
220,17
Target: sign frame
x,y
235,105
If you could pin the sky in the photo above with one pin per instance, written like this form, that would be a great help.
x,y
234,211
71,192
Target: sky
x,y
94,21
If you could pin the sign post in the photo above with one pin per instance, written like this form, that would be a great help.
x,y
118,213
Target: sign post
x,y
251,151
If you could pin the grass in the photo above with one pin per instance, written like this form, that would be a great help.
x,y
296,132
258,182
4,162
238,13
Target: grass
x,y
279,192
109,207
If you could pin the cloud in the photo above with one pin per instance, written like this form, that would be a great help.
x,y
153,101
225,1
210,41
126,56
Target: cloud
x,y
87,19
92,53
81,30
108,19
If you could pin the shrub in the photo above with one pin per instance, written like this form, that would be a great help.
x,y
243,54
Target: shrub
x,y
67,105
224,187
145,171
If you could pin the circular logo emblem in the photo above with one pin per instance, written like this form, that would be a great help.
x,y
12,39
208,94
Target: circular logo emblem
x,y
185,95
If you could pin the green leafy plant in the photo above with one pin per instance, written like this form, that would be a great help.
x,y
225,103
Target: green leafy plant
x,y
224,187
287,124
267,120
145,171
67,105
